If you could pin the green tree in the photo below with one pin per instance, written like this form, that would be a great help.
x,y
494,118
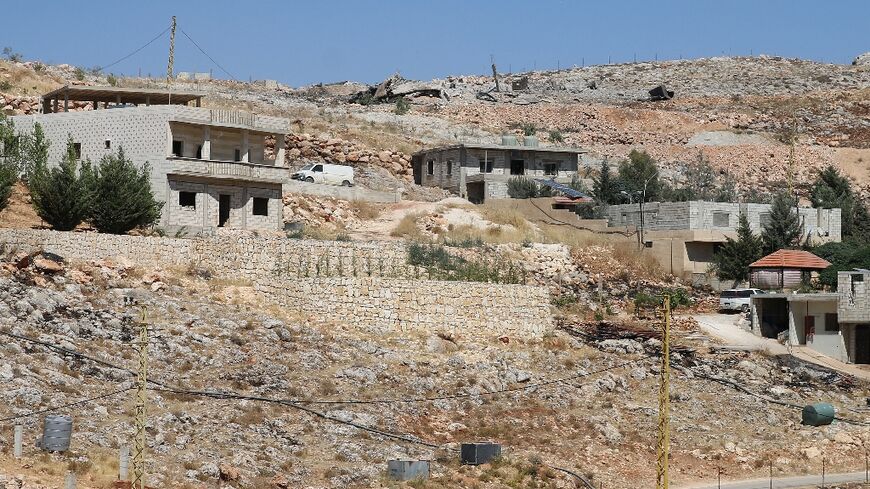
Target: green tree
x,y
9,153
833,190
34,152
605,188
732,259
61,195
122,196
640,173
783,228
843,256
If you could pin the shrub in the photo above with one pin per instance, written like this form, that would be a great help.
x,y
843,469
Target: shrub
x,y
8,177
529,128
11,55
402,106
112,80
5,85
441,265
522,188
79,74
61,196
556,136
122,196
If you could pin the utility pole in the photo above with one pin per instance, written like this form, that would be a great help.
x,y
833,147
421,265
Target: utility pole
x,y
141,398
494,73
664,438
171,59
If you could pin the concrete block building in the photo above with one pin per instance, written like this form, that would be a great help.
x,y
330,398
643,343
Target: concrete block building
x,y
836,324
481,171
683,236
211,167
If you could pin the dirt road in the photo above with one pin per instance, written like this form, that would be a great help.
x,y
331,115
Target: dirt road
x,y
794,482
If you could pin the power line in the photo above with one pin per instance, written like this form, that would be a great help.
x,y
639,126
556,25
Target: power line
x,y
207,55
64,406
158,36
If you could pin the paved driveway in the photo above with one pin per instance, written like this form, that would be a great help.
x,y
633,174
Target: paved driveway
x,y
786,482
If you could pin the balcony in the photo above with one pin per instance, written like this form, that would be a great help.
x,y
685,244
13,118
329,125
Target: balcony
x,y
230,118
228,170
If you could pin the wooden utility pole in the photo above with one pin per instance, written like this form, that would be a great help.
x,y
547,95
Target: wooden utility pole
x,y
495,74
664,437
139,413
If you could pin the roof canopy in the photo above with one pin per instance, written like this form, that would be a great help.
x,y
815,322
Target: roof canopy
x,y
122,95
791,259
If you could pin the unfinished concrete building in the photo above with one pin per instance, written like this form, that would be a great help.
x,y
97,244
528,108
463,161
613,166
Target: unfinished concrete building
x,y
481,171
683,236
209,166
853,310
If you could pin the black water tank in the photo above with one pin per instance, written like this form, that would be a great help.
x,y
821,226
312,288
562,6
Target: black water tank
x,y
479,453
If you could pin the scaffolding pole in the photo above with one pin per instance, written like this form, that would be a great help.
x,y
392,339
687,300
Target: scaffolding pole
x,y
664,437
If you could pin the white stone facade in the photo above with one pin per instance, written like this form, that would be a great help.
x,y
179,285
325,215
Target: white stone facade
x,y
220,151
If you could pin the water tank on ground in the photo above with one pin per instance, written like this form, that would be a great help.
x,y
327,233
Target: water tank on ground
x,y
530,141
479,453
508,140
818,414
56,433
407,470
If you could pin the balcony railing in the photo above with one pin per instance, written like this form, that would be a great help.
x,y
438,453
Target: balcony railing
x,y
229,169
232,118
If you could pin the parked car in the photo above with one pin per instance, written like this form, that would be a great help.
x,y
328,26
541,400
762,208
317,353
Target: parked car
x,y
737,299
325,173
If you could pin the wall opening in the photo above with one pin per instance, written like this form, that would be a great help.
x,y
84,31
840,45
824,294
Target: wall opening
x,y
261,206
178,148
518,167
223,209
187,199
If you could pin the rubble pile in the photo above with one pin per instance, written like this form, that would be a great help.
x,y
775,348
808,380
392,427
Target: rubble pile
x,y
308,147
319,212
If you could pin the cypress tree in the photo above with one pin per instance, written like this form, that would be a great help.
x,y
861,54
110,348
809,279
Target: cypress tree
x,y
61,195
783,229
122,196
734,256
605,188
8,159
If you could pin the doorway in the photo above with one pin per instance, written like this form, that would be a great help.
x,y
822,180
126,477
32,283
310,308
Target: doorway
x,y
518,167
223,209
862,343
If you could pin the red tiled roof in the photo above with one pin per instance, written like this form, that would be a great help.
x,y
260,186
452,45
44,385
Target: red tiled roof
x,y
791,259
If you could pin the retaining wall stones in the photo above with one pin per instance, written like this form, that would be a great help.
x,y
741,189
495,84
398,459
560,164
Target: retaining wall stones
x,y
384,305
364,284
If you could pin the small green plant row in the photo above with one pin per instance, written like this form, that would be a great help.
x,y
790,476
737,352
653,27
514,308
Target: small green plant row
x,y
441,265
678,298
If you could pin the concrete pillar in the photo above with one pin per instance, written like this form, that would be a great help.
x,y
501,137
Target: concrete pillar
x,y
118,99
70,480
245,146
19,436
199,102
46,106
66,101
96,104
206,142
124,462
55,103
148,101
279,149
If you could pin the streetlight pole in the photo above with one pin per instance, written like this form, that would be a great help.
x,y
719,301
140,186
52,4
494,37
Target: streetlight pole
x,y
642,200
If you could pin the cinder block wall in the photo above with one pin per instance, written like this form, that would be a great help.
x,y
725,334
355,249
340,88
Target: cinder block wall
x,y
854,303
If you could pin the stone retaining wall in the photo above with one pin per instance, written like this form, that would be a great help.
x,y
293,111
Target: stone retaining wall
x,y
365,284
384,305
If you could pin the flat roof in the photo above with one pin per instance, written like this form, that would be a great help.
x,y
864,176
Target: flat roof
x,y
817,296
127,95
499,147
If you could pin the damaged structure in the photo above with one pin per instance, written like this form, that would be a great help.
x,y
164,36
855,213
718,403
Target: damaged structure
x,y
478,171
835,324
683,236
213,168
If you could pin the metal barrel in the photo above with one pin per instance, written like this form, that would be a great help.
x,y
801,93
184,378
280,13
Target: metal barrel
x,y
56,433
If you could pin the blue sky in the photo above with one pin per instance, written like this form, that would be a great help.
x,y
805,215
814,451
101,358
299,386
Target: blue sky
x,y
330,40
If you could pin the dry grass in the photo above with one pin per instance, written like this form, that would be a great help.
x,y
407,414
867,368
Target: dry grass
x,y
365,210
493,234
407,227
25,81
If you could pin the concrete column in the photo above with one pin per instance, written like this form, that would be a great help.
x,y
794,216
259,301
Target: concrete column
x,y
206,142
46,106
245,146
96,104
279,150
55,104
199,102
66,101
124,463
118,99
148,101
19,436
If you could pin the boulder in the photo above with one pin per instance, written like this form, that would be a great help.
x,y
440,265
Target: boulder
x,y
862,59
228,472
46,265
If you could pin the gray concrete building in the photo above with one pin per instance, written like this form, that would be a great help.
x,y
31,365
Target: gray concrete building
x,y
481,171
211,167
853,311
683,236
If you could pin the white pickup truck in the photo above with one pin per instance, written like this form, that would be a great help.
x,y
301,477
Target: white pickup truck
x,y
325,173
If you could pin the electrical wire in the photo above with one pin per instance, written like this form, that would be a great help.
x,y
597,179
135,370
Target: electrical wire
x,y
158,36
207,55
65,406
